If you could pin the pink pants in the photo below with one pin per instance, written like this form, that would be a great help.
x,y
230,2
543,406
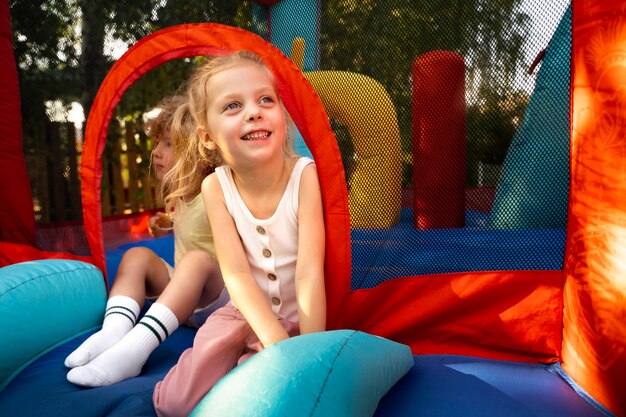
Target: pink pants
x,y
225,340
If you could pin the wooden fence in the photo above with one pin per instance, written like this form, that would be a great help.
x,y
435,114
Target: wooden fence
x,y
127,183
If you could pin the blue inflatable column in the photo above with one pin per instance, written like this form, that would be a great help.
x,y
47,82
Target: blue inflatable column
x,y
288,20
534,186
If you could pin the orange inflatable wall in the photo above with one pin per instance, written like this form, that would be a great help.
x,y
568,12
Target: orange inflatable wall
x,y
594,322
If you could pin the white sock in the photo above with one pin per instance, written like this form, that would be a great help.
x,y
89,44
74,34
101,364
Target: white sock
x,y
120,317
126,358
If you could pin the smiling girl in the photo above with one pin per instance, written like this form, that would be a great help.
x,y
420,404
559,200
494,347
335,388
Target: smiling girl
x,y
265,208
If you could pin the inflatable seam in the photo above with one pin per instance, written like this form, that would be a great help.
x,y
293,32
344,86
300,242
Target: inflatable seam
x,y
332,366
35,278
556,368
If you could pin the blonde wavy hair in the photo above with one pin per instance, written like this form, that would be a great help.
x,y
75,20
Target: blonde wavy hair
x,y
199,98
161,124
182,183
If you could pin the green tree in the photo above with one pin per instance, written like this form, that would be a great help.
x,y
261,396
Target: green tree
x,y
490,127
60,44
127,22
62,51
46,52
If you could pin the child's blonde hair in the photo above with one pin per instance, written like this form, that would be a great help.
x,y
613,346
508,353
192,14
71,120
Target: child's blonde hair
x,y
199,98
182,183
160,124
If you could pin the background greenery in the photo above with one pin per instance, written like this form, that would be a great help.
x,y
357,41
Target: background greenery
x,y
64,49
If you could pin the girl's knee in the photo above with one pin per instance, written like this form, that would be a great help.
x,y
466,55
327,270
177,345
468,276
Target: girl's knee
x,y
138,254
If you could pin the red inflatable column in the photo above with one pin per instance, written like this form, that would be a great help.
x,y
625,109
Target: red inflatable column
x,y
17,221
439,140
594,296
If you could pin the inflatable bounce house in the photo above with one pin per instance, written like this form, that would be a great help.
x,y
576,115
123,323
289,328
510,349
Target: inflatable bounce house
x,y
434,308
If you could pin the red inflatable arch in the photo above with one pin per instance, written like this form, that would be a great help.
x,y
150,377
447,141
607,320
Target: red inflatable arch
x,y
300,99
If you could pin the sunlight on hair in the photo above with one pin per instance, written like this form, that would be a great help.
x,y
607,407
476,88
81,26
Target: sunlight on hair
x,y
152,113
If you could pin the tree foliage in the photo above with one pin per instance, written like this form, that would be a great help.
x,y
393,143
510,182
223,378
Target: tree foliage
x,y
127,22
63,50
45,47
62,46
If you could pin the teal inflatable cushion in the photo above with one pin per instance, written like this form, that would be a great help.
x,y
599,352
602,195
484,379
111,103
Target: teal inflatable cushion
x,y
334,373
42,305
534,185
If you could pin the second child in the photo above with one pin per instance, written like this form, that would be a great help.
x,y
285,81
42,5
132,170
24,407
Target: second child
x,y
187,293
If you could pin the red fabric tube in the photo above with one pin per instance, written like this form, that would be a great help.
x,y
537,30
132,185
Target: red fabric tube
x,y
439,140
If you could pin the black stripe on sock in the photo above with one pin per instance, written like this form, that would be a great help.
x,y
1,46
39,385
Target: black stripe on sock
x,y
124,308
167,334
152,329
122,313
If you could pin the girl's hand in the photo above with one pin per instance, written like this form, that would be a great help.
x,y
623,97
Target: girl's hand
x,y
160,225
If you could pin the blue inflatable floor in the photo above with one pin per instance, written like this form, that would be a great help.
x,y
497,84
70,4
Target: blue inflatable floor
x,y
436,386
41,389
456,386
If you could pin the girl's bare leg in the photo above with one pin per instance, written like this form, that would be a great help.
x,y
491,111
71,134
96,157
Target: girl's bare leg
x,y
197,281
141,272
192,281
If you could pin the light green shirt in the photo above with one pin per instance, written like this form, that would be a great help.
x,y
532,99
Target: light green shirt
x,y
192,230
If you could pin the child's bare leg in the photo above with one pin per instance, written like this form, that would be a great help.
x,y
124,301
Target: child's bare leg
x,y
197,282
126,358
140,272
